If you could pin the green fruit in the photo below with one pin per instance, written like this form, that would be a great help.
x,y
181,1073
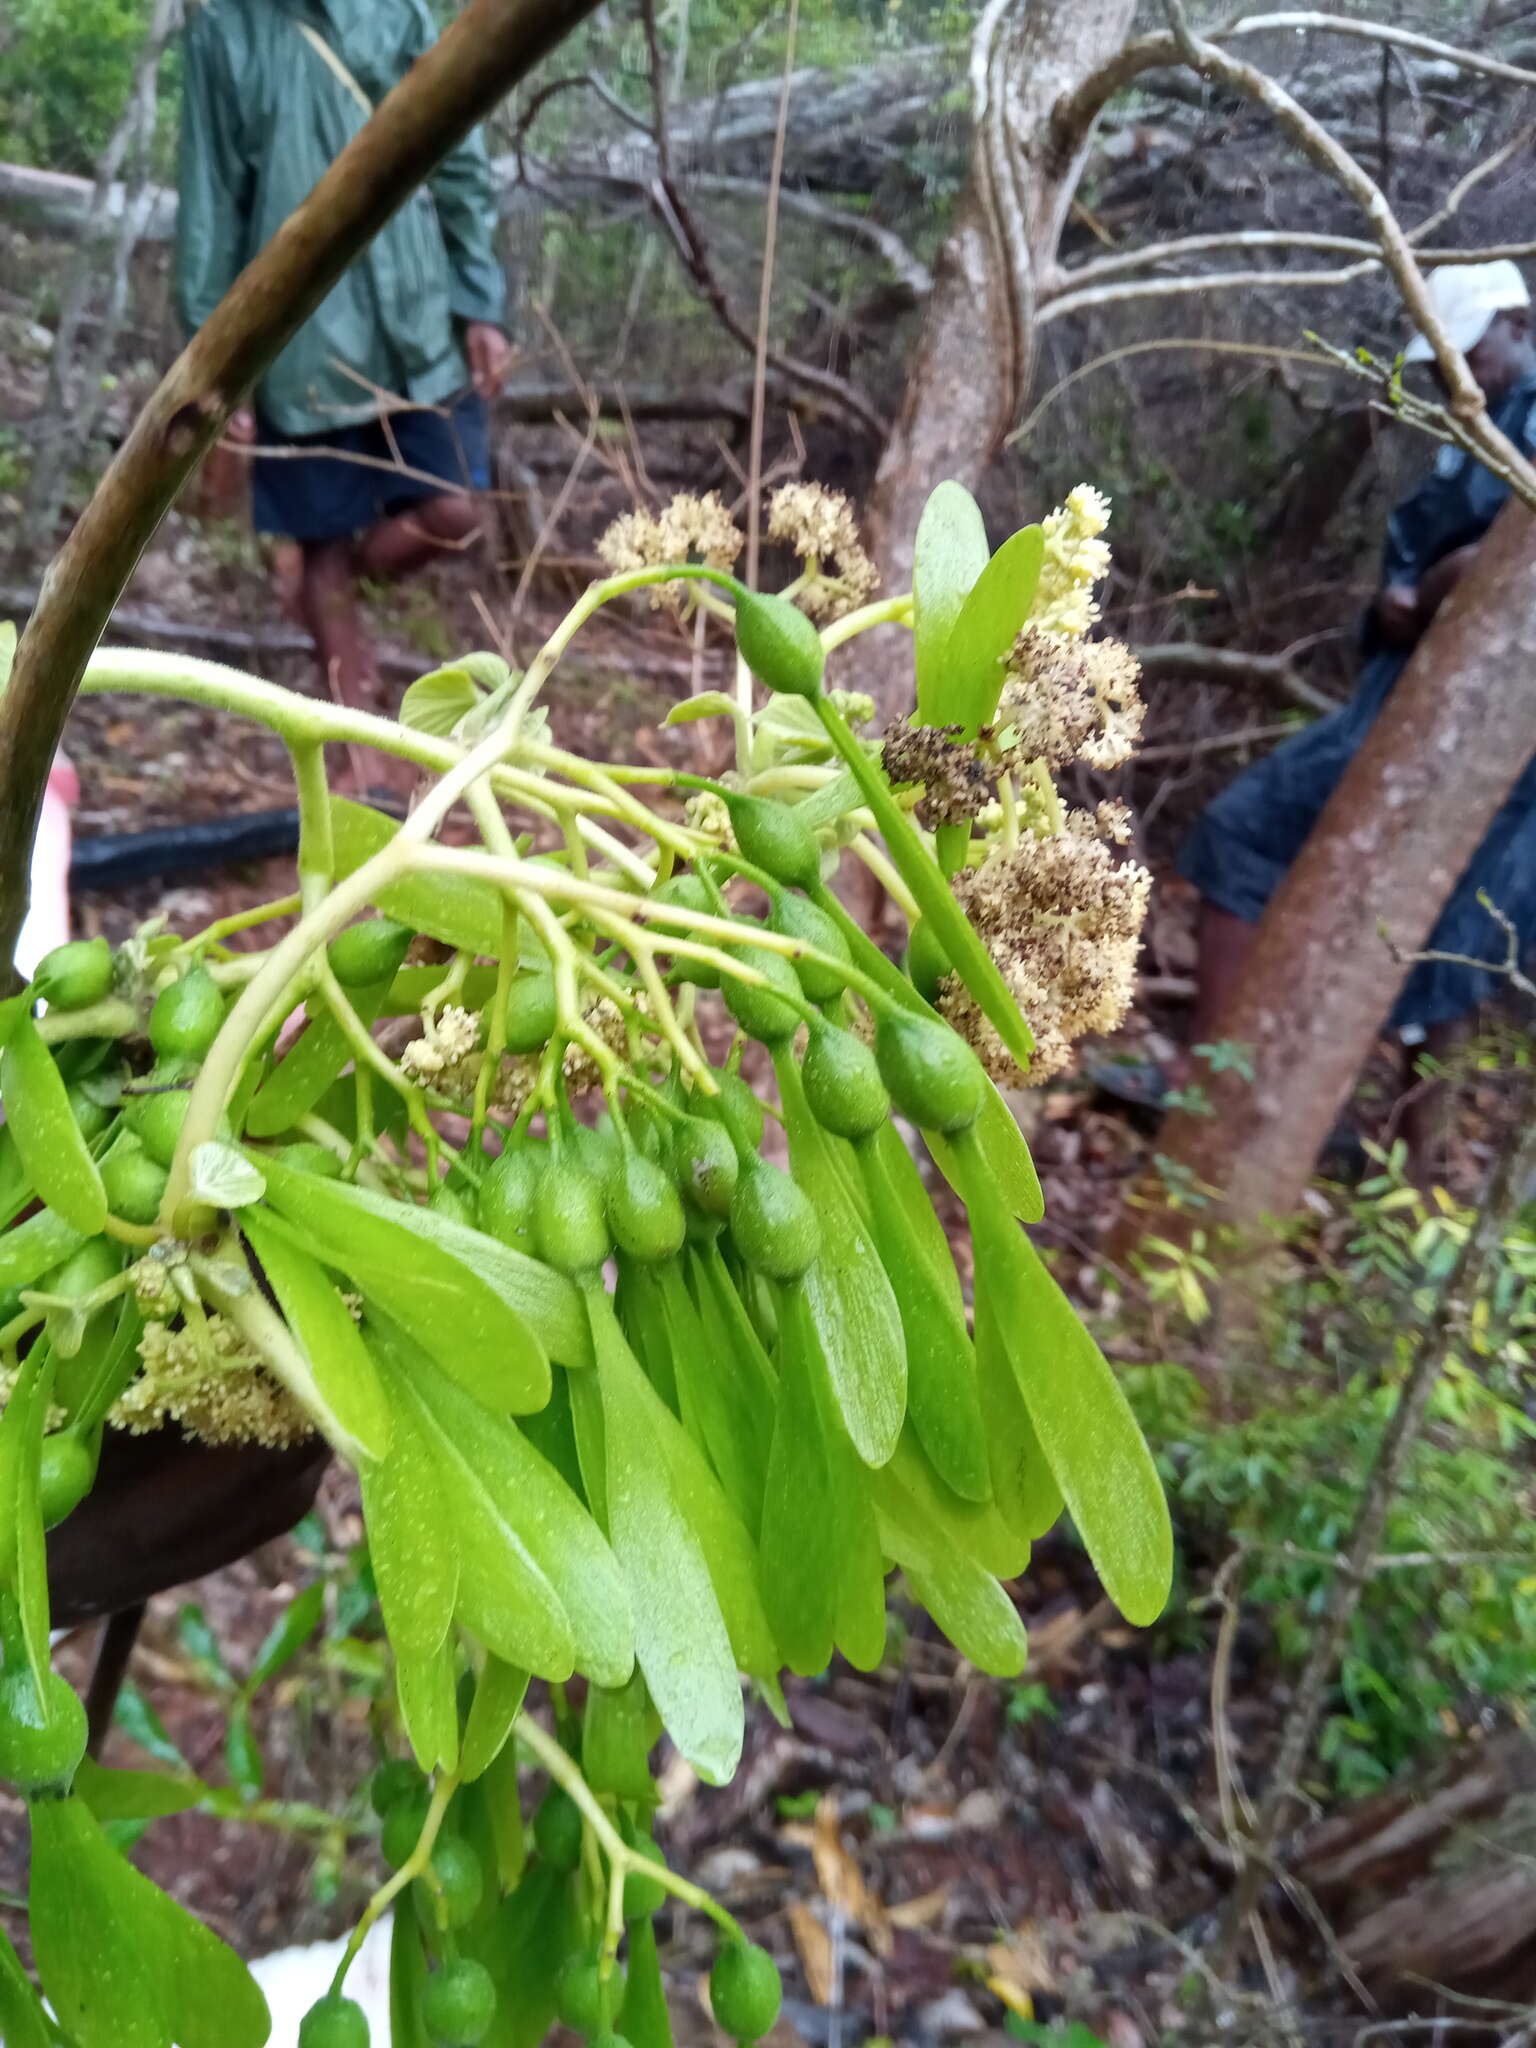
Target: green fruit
x,y
97,1261
446,1200
91,1116
402,1827
309,1157
704,1161
367,952
530,1012
505,1209
156,1121
688,892
557,1830
132,1180
644,1895
842,1083
460,1884
459,2003
774,839
395,1781
38,1754
757,1009
186,1018
772,1222
932,1074
65,1475
334,2022
74,976
645,1211
798,918
926,963
779,644
584,1998
744,1990
570,1228
734,1106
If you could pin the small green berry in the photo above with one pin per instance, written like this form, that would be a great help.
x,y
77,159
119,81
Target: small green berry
x,y
557,1831
744,1990
459,2003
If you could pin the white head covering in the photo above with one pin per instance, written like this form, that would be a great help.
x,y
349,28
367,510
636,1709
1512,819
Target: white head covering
x,y
1467,297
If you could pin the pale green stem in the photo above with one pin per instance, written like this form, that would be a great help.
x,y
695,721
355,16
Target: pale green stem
x,y
886,611
240,921
874,858
111,1018
413,1867
566,1773
317,851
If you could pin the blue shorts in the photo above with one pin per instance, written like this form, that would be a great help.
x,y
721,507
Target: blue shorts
x,y
318,497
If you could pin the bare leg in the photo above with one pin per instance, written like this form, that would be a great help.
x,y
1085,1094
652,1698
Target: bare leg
x,y
330,611
1225,941
405,542
1425,1111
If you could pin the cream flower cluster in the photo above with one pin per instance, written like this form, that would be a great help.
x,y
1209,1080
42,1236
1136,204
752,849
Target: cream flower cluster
x,y
213,1385
821,527
688,529
1075,560
448,1057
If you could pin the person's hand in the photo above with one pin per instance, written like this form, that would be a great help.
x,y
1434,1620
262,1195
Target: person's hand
x,y
1397,614
241,427
490,356
1440,581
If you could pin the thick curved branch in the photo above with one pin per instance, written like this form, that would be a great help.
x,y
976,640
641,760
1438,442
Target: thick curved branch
x,y
1382,32
1273,675
458,81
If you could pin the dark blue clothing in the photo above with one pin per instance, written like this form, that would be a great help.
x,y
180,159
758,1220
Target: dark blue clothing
x,y
1249,836
318,497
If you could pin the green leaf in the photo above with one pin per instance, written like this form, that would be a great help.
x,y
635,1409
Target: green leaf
x,y
22,1426
412,1544
643,2019
394,1254
949,554
523,1945
1079,1410
312,1063
122,1965
27,1250
39,1117
724,1406
963,1597
681,1641
1024,1488
799,1539
323,1325
458,909
135,1795
407,1978
1006,1152
619,1729
499,1694
288,1635
23,2023
141,1724
224,1177
242,1753
426,1683
982,637
850,1298
706,704
436,702
201,1644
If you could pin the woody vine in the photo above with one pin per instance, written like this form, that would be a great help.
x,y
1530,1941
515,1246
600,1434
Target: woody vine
x,y
592,1242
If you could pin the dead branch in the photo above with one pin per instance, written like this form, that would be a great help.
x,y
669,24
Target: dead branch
x,y
1272,674
489,45
1383,32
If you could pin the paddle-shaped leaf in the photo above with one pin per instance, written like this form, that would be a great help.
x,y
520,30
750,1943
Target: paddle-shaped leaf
x,y
1002,1144
323,1324
983,635
23,2023
458,909
39,1117
499,1694
122,1965
949,553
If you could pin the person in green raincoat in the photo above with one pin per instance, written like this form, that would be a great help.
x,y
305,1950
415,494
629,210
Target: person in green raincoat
x,y
369,430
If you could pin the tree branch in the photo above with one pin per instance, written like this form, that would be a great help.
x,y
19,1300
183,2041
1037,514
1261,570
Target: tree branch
x,y
458,81
1382,32
1271,674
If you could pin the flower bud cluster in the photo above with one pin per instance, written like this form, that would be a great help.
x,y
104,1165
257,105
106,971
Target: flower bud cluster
x,y
211,1383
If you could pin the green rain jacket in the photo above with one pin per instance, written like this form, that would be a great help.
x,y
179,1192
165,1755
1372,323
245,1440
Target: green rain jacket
x,y
264,115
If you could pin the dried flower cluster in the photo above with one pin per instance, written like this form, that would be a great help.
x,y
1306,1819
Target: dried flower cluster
x,y
1071,700
1063,920
821,528
688,529
211,1383
958,780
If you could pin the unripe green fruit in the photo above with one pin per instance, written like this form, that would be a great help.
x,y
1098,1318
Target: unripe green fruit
x,y
530,1012
369,951
926,963
932,1074
644,1895
744,1990
772,1222
66,1472
757,1009
156,1121
610,2041
843,1088
91,1117
459,2003
688,892
779,644
334,2022
39,1754
308,1157
570,1225
505,1209
584,1998
186,1018
557,1830
402,1828
461,1884
645,1211
75,975
446,1200
98,1260
704,1160
395,1781
774,839
736,1108
798,918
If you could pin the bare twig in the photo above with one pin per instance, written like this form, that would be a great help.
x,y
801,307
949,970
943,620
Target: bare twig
x,y
1382,32
1234,668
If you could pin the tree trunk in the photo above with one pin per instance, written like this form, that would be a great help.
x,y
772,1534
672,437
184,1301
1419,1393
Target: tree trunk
x,y
976,351
1409,814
